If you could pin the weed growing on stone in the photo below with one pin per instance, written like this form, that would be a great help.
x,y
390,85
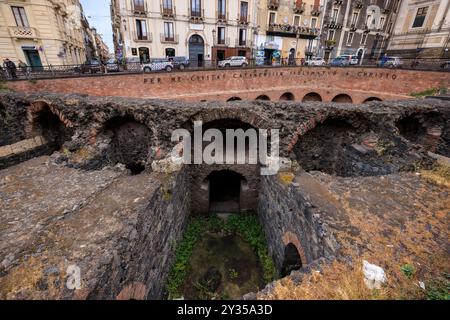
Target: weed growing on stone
x,y
428,92
247,226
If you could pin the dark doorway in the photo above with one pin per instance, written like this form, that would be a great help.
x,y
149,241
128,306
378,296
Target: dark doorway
x,y
312,96
220,55
196,50
170,52
263,97
292,260
372,99
234,99
292,57
342,98
144,55
52,128
242,53
287,96
224,191
33,58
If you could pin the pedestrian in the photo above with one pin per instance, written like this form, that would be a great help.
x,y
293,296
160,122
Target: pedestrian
x,y
10,67
24,68
384,59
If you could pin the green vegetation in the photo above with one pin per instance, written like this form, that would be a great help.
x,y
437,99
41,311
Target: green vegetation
x,y
408,270
233,274
439,289
247,226
428,92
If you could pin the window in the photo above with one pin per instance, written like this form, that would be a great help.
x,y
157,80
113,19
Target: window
x,y
141,29
271,17
364,38
168,31
330,35
242,37
334,15
420,17
20,16
221,8
167,4
313,23
196,8
350,38
244,10
138,5
296,20
355,16
170,52
221,35
382,19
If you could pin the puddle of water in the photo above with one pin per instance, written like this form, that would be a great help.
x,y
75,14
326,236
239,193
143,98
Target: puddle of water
x,y
222,266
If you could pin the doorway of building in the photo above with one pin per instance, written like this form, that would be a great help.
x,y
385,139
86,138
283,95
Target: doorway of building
x,y
144,55
292,260
220,55
224,191
33,58
196,50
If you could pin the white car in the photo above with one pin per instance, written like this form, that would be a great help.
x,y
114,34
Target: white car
x,y
353,59
233,62
315,62
157,65
393,62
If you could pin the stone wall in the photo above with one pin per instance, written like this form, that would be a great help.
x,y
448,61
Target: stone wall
x,y
288,217
248,84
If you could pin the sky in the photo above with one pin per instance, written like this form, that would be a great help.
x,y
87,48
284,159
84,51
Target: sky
x,y
98,14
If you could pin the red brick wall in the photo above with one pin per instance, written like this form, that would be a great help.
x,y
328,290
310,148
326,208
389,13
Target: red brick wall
x,y
247,84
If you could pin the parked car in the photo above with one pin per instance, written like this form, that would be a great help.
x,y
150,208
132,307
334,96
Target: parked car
x,y
340,62
446,65
353,59
90,66
112,65
235,61
157,65
393,62
179,62
316,61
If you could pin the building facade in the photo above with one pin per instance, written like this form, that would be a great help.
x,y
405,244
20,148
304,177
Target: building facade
x,y
422,30
42,32
198,29
288,30
357,27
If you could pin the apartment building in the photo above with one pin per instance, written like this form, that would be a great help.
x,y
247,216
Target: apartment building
x,y
42,32
287,30
357,27
422,30
198,29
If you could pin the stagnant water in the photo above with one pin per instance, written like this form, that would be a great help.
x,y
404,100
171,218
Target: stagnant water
x,y
222,266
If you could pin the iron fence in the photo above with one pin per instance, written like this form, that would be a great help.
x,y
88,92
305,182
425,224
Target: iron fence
x,y
62,71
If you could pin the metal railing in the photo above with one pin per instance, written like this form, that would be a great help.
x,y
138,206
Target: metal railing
x,y
86,70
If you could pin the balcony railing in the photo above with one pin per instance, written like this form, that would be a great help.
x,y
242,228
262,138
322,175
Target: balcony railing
x,y
169,38
243,19
315,10
292,31
168,12
299,7
140,9
273,4
148,37
221,17
222,42
23,32
358,4
196,15
243,43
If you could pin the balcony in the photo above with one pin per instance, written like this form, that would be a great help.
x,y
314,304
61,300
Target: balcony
x,y
358,4
385,11
168,12
353,27
243,20
299,7
196,16
23,33
315,10
222,42
143,37
337,2
243,43
292,31
273,4
333,24
169,38
139,9
222,17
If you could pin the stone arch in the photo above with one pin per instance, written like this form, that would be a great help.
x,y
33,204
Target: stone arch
x,y
234,99
287,96
263,97
45,120
129,142
372,99
342,98
292,239
312,96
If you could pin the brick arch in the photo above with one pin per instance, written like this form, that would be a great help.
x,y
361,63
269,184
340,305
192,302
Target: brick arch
x,y
234,98
342,98
312,96
262,97
287,96
36,108
372,99
290,237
